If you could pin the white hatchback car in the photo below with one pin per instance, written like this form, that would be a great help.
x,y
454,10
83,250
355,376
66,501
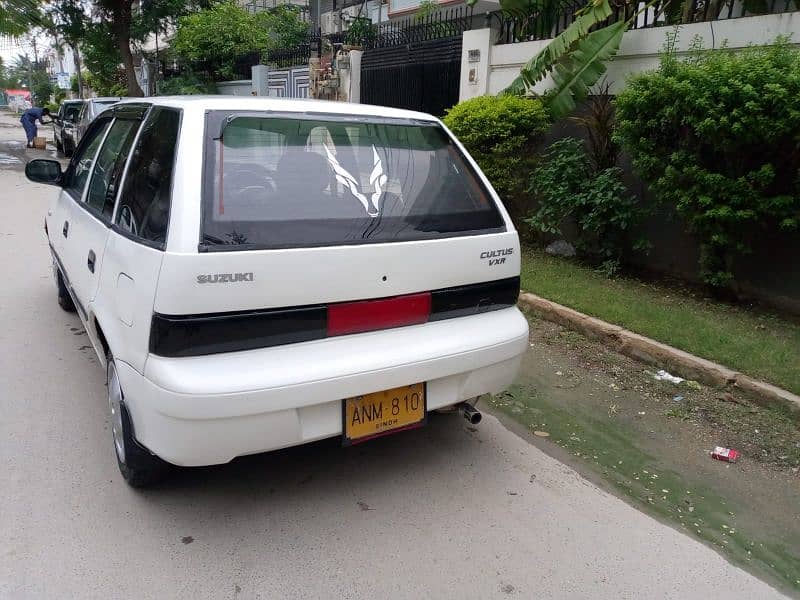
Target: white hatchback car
x,y
256,274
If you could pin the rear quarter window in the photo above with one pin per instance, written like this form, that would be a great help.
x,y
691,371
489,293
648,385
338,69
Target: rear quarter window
x,y
289,181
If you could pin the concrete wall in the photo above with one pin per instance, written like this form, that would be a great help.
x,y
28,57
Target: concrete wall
x,y
243,87
499,65
771,274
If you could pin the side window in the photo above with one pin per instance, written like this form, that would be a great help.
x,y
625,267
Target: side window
x,y
82,162
108,166
145,201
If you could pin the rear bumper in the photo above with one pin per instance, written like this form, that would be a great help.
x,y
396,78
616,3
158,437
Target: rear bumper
x,y
209,409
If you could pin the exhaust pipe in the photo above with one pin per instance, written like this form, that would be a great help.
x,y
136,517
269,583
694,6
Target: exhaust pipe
x,y
470,413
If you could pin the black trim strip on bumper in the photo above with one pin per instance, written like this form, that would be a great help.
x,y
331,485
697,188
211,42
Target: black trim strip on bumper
x,y
196,335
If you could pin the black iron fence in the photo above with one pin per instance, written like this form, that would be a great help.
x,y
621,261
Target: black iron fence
x,y
663,13
446,23
283,58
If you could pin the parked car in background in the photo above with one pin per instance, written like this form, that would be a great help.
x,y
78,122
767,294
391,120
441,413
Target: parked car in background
x,y
18,103
257,273
64,126
91,108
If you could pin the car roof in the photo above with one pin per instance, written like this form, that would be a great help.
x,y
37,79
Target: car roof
x,y
73,101
282,105
104,100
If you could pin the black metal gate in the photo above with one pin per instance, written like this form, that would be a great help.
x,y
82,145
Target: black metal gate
x,y
415,65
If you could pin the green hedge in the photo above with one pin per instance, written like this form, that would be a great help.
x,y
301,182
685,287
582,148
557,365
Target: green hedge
x,y
501,133
718,137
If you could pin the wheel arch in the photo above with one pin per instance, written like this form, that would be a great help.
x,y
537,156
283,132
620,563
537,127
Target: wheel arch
x,y
100,336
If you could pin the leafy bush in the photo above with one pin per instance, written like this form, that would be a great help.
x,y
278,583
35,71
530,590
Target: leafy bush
x,y
717,137
567,187
42,88
224,32
360,32
285,24
184,85
501,133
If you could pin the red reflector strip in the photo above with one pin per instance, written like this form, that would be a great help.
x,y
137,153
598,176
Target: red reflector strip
x,y
370,315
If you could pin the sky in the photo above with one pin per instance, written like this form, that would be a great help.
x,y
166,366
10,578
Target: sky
x,y
11,48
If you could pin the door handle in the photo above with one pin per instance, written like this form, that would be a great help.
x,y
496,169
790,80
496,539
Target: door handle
x,y
65,230
90,260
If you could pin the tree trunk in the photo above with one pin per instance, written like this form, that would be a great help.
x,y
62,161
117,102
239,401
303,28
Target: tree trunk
x,y
76,54
121,14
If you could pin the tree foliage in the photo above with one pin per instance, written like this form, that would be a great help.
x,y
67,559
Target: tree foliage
x,y
501,133
126,25
42,88
67,22
6,78
102,59
18,16
220,34
718,137
285,25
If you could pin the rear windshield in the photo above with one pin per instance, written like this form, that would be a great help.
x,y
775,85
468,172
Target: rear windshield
x,y
71,110
288,182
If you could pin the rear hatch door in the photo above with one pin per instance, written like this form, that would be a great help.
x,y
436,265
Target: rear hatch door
x,y
315,225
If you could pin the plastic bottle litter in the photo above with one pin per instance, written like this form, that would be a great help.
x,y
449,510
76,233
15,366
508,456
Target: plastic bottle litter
x,y
662,375
725,454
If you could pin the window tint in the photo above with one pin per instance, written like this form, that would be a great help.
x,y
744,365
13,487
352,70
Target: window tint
x,y
289,182
71,112
145,201
82,163
109,164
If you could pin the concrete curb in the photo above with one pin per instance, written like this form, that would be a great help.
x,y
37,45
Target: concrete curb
x,y
655,353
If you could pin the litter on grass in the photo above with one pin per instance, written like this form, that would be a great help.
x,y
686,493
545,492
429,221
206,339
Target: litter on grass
x,y
725,454
662,375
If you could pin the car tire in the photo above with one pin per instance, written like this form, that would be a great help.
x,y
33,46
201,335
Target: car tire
x,y
64,299
139,468
59,147
68,149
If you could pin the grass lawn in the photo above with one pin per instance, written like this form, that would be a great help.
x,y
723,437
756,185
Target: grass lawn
x,y
757,344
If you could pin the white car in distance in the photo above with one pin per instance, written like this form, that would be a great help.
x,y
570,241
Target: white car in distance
x,y
257,273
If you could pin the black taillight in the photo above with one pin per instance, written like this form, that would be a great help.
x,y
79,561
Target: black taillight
x,y
195,335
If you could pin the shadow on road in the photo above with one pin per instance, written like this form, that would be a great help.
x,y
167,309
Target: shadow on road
x,y
321,468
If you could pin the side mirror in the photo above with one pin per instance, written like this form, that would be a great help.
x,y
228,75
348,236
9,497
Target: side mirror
x,y
44,171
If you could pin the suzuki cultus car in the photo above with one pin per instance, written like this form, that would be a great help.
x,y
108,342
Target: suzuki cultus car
x,y
256,274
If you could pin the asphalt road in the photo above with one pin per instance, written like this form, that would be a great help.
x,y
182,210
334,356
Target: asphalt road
x,y
441,512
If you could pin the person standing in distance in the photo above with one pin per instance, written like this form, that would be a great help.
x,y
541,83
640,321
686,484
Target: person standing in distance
x,y
28,120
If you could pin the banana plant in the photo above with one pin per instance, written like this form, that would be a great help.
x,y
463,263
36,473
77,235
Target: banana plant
x,y
576,57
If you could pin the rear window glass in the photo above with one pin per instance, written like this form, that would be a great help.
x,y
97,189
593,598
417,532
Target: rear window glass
x,y
288,182
71,111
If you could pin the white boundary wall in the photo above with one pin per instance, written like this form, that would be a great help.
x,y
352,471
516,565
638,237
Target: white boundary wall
x,y
492,68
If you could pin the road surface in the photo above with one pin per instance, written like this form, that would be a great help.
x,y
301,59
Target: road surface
x,y
441,512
